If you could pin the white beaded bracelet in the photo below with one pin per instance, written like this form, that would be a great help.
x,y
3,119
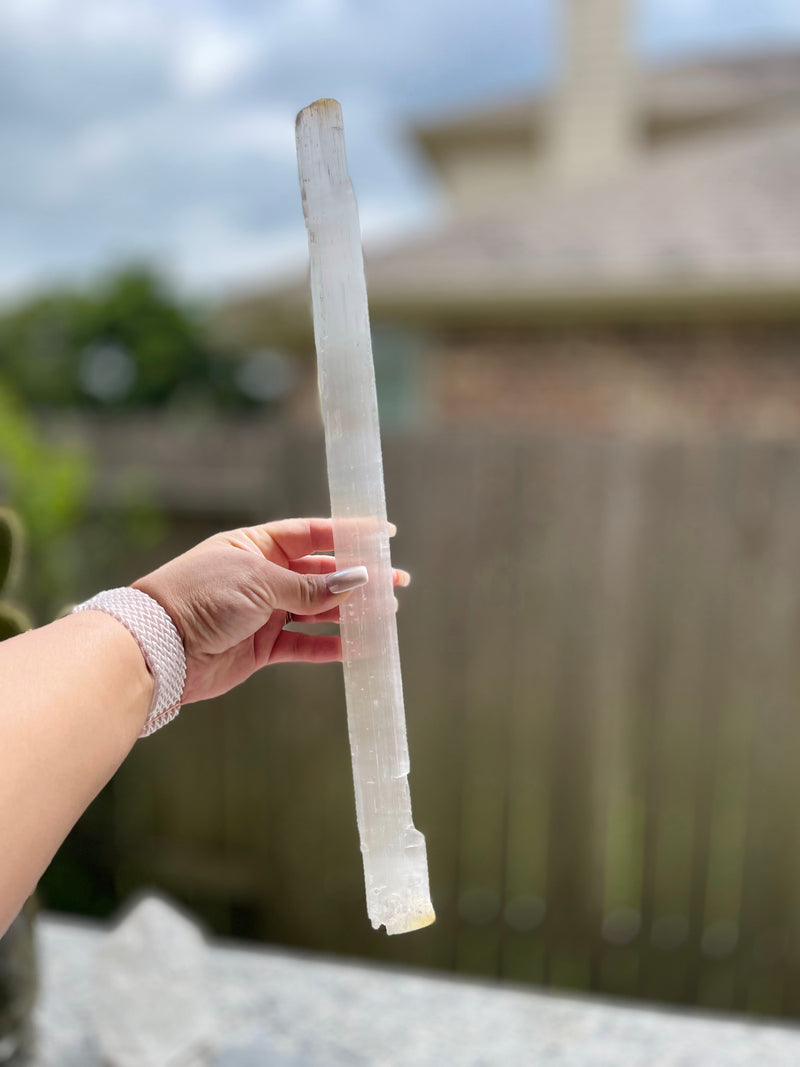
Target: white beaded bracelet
x,y
160,643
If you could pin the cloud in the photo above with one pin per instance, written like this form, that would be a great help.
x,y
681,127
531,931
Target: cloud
x,y
210,253
266,132
674,26
164,128
210,57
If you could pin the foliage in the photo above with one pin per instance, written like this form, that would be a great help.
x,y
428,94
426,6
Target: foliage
x,y
48,486
18,961
125,343
10,547
13,620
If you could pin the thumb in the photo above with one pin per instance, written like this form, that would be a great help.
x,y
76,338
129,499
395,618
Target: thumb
x,y
310,594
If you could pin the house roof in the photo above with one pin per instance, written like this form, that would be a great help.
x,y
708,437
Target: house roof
x,y
704,224
722,212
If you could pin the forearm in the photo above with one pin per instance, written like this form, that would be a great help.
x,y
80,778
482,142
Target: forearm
x,y
75,695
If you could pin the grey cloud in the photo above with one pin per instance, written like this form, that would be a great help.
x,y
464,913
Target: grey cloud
x,y
68,202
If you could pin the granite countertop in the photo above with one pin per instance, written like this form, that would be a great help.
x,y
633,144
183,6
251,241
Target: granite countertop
x,y
279,1009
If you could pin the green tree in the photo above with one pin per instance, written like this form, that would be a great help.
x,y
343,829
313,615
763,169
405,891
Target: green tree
x,y
125,343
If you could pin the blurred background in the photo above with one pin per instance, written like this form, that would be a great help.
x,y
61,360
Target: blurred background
x,y
582,228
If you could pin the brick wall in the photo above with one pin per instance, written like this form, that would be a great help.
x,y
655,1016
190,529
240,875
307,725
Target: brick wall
x,y
738,378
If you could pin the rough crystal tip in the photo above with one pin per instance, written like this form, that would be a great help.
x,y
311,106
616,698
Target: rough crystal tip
x,y
416,920
326,106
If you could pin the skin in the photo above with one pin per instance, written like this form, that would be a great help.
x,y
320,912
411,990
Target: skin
x,y
76,693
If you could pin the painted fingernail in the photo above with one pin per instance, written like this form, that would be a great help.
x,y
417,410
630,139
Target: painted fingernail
x,y
403,578
344,581
392,529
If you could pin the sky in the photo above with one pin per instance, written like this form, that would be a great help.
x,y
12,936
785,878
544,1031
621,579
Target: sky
x,y
163,130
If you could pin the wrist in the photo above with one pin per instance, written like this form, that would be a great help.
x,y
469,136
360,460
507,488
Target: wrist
x,y
158,590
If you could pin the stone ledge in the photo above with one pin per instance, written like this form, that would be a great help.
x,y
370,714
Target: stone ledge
x,y
293,1010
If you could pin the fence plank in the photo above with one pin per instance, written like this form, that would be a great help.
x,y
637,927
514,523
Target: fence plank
x,y
537,561
766,955
487,700
622,545
572,858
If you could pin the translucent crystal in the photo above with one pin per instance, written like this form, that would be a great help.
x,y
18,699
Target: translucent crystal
x,y
151,1003
395,861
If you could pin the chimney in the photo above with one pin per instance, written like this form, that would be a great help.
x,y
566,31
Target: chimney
x,y
594,119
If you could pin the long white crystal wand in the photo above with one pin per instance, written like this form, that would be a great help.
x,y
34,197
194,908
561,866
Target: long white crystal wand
x,y
395,861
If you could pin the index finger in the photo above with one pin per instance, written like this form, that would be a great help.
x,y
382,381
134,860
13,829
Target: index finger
x,y
292,538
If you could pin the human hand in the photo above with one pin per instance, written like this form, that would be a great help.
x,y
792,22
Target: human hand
x,y
230,597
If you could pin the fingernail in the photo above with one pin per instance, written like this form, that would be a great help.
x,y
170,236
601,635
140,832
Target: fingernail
x,y
344,581
396,603
403,578
392,529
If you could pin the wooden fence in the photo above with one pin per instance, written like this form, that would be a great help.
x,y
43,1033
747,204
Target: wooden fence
x,y
601,655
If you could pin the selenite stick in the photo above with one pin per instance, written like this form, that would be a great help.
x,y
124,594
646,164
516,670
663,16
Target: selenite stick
x,y
395,860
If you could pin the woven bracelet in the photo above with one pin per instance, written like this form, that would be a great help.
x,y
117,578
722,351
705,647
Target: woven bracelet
x,y
160,644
